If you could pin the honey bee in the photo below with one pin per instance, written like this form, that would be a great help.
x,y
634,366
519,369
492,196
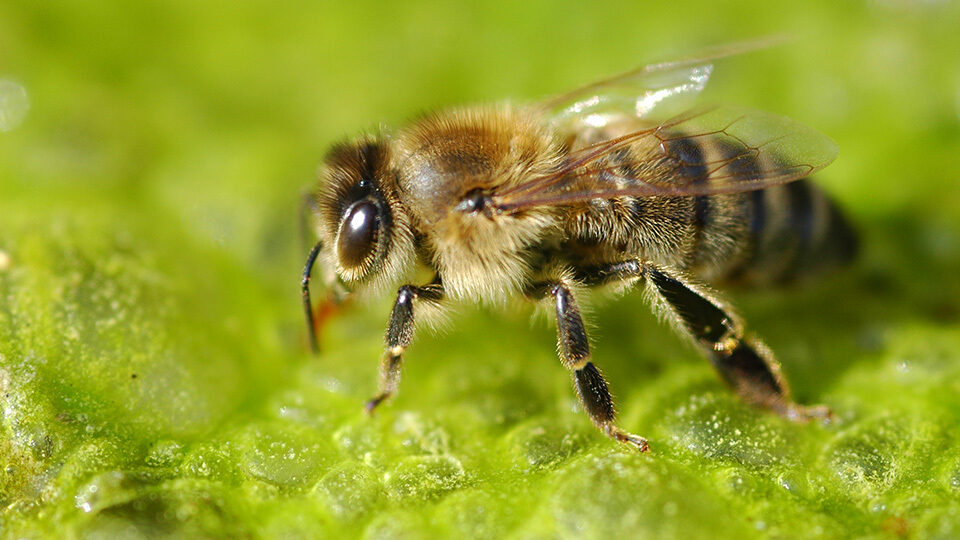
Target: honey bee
x,y
596,187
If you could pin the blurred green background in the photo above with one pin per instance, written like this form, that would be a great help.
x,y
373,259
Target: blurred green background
x,y
153,368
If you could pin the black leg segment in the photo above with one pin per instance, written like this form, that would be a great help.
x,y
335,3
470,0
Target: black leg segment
x,y
701,317
305,293
754,374
744,363
575,354
608,273
594,394
399,335
571,334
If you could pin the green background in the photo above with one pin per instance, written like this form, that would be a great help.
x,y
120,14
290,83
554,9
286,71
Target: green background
x,y
154,374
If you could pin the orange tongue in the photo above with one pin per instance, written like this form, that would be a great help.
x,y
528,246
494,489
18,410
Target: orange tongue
x,y
326,309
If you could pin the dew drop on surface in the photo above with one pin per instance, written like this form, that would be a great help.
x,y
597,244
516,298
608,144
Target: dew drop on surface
x,y
14,104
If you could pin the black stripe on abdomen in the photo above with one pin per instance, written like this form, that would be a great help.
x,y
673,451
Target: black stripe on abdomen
x,y
802,216
693,169
744,166
804,234
758,214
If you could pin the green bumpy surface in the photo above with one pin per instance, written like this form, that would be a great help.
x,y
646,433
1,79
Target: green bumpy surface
x,y
153,369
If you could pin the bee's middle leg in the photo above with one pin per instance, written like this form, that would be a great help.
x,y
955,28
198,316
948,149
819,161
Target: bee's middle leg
x,y
398,337
575,353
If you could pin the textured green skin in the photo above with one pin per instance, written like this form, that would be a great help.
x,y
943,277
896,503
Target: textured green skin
x,y
153,367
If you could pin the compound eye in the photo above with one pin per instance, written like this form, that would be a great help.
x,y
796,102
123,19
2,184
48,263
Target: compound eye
x,y
358,233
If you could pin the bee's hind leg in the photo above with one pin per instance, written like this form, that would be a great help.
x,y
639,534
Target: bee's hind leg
x,y
399,335
575,353
743,362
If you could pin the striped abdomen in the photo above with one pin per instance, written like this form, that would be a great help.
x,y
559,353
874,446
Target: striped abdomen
x,y
795,229
764,236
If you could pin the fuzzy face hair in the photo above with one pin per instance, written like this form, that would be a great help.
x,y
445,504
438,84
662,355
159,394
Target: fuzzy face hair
x,y
361,173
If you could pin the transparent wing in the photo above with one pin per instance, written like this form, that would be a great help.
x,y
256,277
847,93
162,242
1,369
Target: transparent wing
x,y
661,89
638,93
706,152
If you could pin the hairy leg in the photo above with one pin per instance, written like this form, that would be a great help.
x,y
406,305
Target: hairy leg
x,y
743,362
575,354
399,335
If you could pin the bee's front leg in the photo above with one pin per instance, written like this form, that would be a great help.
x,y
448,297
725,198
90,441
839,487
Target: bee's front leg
x,y
575,353
399,335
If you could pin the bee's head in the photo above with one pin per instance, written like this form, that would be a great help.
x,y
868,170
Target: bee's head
x,y
363,225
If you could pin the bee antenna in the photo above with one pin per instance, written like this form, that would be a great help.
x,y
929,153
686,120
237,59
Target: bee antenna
x,y
305,291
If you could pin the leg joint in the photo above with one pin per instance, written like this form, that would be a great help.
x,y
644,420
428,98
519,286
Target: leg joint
x,y
558,289
608,273
406,294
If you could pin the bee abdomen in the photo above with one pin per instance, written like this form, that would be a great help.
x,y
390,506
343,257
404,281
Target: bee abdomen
x,y
719,223
764,236
794,230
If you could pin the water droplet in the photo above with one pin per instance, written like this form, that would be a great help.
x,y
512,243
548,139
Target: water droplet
x,y
103,491
540,444
164,453
14,104
282,455
352,490
425,477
